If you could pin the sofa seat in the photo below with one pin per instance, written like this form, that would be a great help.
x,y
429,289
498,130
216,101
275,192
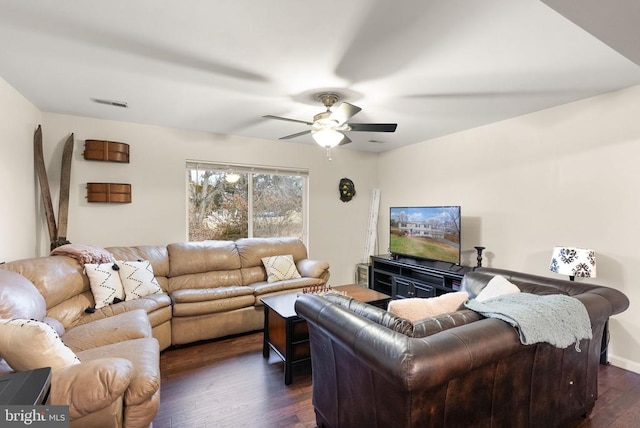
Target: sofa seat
x,y
264,289
106,331
150,304
212,300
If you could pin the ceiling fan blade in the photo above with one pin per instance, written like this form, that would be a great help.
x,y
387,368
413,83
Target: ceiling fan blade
x,y
268,116
373,127
344,112
297,134
345,140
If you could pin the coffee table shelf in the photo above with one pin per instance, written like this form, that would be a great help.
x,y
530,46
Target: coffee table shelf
x,y
286,333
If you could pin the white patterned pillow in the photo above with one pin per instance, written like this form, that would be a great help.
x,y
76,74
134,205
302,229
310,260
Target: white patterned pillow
x,y
29,344
138,279
280,267
105,283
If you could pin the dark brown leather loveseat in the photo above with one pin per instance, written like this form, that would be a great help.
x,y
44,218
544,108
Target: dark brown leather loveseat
x,y
372,369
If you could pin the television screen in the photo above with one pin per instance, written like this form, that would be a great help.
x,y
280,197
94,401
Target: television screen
x,y
426,232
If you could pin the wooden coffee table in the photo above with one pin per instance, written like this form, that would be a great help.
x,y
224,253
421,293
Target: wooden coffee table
x,y
286,333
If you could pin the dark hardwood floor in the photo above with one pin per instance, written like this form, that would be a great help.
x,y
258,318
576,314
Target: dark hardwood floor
x,y
227,383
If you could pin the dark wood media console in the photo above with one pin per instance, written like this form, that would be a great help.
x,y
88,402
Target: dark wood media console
x,y
402,277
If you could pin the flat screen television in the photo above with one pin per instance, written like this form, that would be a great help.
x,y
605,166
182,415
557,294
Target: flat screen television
x,y
425,232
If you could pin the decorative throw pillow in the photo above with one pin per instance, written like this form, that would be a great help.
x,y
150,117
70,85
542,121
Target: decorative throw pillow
x,y
28,344
138,279
497,286
280,267
105,283
415,309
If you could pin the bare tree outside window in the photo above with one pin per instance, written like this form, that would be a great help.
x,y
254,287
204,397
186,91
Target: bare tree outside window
x,y
220,209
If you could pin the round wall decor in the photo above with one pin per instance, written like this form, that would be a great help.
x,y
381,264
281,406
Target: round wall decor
x,y
347,189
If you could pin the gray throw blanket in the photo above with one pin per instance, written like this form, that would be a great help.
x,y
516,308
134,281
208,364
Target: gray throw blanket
x,y
556,319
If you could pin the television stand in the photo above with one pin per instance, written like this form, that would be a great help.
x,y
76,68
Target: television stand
x,y
402,277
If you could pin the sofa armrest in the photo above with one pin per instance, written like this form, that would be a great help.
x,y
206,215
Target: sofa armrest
x,y
118,328
90,386
313,268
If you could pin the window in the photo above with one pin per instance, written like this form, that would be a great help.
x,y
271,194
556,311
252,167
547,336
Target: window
x,y
230,202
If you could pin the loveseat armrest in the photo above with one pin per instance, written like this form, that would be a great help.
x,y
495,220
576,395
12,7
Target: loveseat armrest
x,y
90,386
313,268
118,328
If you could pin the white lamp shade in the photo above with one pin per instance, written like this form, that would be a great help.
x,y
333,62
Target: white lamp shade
x,y
572,261
327,137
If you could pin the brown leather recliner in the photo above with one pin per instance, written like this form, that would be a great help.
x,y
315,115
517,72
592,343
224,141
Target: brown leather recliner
x,y
467,371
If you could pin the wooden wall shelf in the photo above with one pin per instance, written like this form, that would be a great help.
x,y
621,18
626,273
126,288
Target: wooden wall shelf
x,y
118,193
109,151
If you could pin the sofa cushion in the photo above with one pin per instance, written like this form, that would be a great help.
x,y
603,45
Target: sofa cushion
x,y
208,307
19,298
157,255
261,289
253,250
57,278
201,295
280,268
150,304
213,300
497,286
204,256
117,328
106,286
415,309
206,280
138,279
28,345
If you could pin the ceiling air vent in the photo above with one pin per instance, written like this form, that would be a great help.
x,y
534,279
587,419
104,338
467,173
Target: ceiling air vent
x,y
110,102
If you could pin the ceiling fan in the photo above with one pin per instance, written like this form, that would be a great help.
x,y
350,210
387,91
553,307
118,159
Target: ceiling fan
x,y
328,127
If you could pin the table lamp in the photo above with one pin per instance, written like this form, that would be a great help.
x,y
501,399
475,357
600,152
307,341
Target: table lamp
x,y
573,262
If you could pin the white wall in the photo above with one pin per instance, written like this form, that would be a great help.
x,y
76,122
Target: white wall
x,y
564,176
18,121
156,171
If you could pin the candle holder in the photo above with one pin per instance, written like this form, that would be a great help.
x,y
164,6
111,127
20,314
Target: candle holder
x,y
479,250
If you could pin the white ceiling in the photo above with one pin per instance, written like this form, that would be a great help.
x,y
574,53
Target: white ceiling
x,y
433,67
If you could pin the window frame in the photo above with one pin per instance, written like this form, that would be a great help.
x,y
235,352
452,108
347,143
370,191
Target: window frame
x,y
252,169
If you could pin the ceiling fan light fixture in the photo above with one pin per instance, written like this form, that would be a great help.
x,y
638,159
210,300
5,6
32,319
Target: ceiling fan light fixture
x,y
231,177
327,137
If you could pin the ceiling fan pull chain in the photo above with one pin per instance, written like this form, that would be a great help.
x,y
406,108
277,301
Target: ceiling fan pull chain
x,y
329,153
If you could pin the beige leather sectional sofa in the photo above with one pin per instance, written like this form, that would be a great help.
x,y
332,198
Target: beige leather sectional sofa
x,y
211,289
